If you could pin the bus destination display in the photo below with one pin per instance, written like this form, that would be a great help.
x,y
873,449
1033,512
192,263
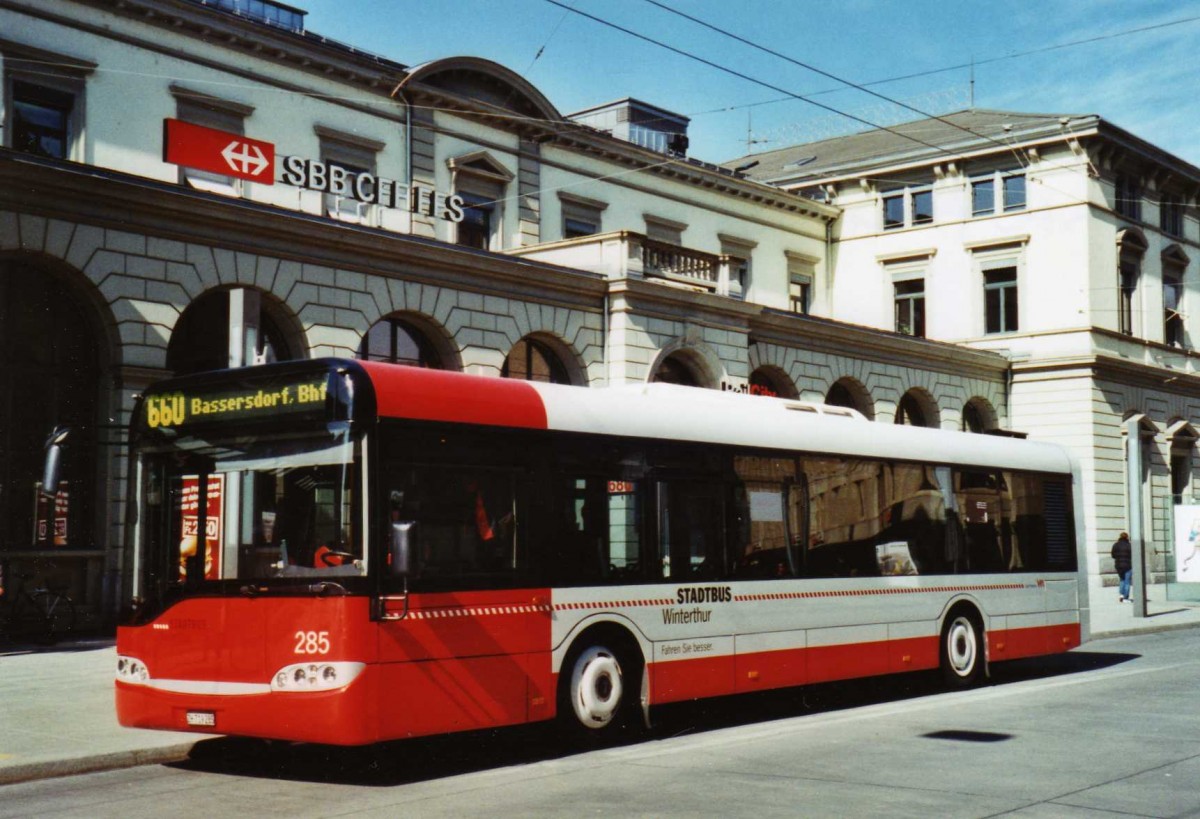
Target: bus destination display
x,y
177,409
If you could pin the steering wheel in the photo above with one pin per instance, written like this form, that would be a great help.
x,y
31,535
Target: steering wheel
x,y
343,558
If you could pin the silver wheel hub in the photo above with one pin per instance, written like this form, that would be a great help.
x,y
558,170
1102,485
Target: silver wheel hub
x,y
596,687
962,647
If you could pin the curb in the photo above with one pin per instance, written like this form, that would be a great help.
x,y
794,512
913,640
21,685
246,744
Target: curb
x,y
115,760
1136,630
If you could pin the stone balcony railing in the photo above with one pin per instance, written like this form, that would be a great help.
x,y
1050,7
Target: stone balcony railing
x,y
623,254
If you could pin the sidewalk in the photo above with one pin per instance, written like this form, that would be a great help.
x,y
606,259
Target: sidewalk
x,y
58,717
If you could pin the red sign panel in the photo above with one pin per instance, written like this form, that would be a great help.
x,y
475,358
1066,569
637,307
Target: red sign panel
x,y
208,149
214,526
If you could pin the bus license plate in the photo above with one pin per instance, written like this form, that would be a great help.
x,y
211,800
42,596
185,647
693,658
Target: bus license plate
x,y
202,719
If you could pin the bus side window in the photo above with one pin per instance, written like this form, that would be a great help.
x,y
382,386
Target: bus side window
x,y
914,536
980,506
691,530
763,496
845,517
466,521
624,530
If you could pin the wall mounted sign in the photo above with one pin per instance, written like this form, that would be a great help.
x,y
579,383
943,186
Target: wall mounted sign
x,y
207,149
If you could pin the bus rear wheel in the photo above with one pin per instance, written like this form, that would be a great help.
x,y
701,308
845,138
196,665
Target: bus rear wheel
x,y
598,692
962,649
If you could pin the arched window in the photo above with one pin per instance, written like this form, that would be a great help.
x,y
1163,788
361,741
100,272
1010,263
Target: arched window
x,y
200,340
770,382
533,360
846,392
674,370
401,342
978,416
915,410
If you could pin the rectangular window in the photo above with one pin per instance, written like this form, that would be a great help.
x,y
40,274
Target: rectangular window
x,y
1000,300
798,294
221,115
574,228
352,159
996,192
1129,197
734,265
922,207
906,207
1128,286
983,197
580,217
1170,215
910,307
802,270
1014,192
41,120
1172,299
662,230
893,211
475,229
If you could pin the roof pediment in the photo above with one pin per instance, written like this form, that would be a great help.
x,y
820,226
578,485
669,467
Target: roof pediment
x,y
484,82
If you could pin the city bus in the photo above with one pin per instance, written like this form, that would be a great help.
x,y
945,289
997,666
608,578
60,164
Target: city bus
x,y
347,552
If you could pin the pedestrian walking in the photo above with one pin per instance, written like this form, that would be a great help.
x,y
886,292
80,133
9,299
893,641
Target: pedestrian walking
x,y
1122,555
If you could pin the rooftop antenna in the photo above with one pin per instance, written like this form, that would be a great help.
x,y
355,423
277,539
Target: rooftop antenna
x,y
972,82
750,140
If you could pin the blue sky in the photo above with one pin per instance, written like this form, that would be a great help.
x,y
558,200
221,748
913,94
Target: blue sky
x,y
1144,81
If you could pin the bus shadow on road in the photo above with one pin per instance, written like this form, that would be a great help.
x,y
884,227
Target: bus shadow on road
x,y
424,759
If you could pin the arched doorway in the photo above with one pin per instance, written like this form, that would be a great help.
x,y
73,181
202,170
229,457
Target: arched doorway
x,y
200,340
50,374
532,359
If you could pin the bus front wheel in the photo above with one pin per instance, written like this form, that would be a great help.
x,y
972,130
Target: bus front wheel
x,y
962,649
599,690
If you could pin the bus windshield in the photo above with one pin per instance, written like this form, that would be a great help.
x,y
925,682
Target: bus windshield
x,y
263,508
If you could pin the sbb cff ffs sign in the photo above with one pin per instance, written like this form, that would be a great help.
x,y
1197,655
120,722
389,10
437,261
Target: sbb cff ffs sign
x,y
208,149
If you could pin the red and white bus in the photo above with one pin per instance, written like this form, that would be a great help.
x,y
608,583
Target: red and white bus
x,y
347,552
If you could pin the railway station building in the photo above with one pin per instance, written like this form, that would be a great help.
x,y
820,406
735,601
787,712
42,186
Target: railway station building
x,y
189,185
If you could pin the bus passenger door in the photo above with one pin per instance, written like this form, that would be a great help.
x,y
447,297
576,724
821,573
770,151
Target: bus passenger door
x,y
458,649
694,640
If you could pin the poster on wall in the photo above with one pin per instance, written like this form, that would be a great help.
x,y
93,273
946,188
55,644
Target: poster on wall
x,y
214,529
1187,543
50,527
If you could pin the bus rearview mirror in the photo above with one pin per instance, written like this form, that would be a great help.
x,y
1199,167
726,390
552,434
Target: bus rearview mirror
x,y
403,535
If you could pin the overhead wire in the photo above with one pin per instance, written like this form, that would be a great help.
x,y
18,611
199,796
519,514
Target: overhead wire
x,y
808,66
960,66
747,77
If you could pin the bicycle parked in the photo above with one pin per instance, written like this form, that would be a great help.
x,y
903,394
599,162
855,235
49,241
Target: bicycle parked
x,y
42,615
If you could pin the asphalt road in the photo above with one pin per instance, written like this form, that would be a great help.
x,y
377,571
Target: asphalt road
x,y
1110,729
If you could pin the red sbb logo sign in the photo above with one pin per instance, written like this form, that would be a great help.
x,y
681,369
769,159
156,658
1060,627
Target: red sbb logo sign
x,y
207,149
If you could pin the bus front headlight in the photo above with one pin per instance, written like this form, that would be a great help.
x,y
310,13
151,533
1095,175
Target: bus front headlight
x,y
301,677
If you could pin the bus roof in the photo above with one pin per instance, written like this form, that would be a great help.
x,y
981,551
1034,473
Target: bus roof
x,y
671,412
